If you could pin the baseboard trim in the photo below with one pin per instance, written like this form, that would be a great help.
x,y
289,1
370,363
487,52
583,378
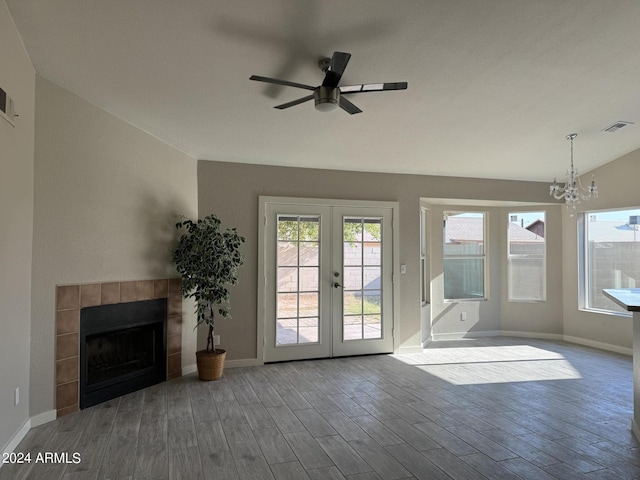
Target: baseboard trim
x,y
439,337
16,439
541,336
404,350
33,422
244,362
600,345
44,417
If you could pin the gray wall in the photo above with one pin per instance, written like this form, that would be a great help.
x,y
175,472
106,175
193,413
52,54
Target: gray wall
x,y
231,191
107,198
618,187
17,78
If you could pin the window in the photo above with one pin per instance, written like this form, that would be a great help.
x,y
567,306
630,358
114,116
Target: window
x,y
610,256
464,255
526,259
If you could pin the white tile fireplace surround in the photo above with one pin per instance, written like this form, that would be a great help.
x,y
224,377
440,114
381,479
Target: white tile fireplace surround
x,y
70,299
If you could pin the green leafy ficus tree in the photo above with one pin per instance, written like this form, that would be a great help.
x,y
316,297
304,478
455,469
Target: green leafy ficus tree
x,y
208,258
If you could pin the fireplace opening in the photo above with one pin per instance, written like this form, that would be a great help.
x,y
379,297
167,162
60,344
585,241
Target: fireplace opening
x,y
123,348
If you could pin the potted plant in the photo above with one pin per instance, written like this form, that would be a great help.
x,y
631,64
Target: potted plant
x,y
208,258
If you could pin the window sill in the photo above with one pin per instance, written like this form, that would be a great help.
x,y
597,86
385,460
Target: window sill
x,y
526,301
463,300
606,312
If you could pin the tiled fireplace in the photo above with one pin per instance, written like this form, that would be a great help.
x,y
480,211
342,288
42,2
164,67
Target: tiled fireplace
x,y
70,299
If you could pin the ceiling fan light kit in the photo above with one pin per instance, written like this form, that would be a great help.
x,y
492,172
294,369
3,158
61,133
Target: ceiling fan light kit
x,y
328,96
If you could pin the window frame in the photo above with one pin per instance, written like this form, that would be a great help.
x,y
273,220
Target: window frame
x,y
584,274
484,256
511,256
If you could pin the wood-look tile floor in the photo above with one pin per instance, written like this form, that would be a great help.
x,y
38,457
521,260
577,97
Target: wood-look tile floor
x,y
494,408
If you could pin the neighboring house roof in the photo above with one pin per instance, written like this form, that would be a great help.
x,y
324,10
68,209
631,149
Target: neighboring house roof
x,y
534,224
469,230
463,230
612,231
524,235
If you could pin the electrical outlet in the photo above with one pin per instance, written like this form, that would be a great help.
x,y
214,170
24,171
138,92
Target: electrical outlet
x,y
463,316
16,397
216,340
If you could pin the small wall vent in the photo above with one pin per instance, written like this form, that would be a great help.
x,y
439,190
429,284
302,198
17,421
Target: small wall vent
x,y
7,108
617,126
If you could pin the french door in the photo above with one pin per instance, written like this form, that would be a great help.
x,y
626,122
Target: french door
x,y
328,272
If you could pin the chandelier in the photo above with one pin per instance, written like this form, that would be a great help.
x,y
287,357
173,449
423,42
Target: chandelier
x,y
573,192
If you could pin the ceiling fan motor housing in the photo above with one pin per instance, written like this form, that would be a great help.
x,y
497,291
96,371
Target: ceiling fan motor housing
x,y
327,98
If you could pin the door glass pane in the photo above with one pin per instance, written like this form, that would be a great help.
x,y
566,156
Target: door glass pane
x,y
352,278
372,326
372,253
371,277
309,330
309,253
352,326
352,302
287,279
362,295
308,279
298,297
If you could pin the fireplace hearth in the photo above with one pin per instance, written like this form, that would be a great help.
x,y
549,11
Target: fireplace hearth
x,y
123,348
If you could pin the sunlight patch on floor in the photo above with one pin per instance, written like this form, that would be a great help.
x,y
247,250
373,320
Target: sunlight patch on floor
x,y
500,364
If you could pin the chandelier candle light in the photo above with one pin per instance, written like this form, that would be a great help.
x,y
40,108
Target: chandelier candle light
x,y
572,191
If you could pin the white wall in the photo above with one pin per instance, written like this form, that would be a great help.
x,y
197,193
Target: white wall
x,y
231,191
107,196
619,188
17,78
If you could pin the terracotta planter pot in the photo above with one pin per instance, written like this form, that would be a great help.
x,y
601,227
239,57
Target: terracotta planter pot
x,y
210,364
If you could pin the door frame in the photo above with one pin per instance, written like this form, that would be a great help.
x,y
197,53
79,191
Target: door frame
x,y
264,201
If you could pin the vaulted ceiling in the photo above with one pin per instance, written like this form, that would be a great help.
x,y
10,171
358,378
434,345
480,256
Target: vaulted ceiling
x,y
494,85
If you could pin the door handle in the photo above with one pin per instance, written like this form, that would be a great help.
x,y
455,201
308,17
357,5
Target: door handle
x,y
336,285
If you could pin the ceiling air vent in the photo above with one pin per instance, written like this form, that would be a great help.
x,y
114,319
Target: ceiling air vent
x,y
617,126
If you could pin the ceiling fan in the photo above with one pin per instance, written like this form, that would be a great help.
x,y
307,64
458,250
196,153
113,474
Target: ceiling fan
x,y
329,96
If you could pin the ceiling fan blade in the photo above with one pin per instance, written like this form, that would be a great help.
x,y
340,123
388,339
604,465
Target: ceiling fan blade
x,y
294,102
339,62
373,87
286,83
348,107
